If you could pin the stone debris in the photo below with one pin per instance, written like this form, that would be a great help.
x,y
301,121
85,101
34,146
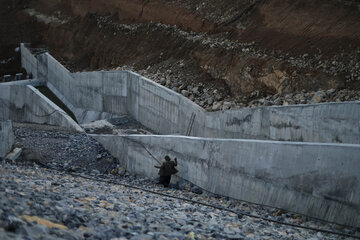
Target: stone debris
x,y
213,99
39,203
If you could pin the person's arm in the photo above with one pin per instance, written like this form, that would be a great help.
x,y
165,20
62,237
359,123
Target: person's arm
x,y
175,161
157,166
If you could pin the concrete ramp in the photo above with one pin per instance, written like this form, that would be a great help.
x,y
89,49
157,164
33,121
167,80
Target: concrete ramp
x,y
24,103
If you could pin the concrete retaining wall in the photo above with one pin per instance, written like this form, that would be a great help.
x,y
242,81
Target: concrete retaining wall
x,y
29,61
23,103
93,95
6,138
319,180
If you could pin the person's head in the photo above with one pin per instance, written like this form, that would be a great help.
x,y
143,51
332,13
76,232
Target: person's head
x,y
167,158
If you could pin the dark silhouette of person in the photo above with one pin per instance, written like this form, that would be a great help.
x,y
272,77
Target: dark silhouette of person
x,y
166,170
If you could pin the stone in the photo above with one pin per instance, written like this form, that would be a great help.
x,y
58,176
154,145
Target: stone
x,y
185,93
197,190
195,90
216,106
318,97
14,223
210,101
278,101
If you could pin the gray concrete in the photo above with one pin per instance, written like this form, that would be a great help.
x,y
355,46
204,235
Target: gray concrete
x,y
6,137
21,103
31,82
315,179
29,61
93,95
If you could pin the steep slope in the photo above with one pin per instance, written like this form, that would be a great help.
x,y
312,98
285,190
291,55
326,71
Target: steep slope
x,y
231,52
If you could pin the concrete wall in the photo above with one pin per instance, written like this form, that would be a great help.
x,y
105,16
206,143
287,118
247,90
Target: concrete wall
x,y
29,61
95,95
23,103
319,180
6,138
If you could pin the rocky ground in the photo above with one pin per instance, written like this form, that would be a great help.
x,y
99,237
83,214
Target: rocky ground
x,y
40,203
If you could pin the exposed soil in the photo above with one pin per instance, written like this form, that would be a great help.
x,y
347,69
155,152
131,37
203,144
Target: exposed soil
x,y
240,49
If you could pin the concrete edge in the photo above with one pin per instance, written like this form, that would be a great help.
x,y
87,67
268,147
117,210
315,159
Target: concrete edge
x,y
235,140
31,82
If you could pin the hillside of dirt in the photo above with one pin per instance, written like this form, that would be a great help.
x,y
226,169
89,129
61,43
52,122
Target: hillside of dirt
x,y
220,54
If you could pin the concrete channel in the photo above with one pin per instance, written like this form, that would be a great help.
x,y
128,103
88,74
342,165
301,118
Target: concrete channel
x,y
301,158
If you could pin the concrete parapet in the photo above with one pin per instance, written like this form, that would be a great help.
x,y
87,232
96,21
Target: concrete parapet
x,y
315,179
6,137
31,82
23,103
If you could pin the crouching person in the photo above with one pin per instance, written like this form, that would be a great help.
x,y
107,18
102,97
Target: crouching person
x,y
166,170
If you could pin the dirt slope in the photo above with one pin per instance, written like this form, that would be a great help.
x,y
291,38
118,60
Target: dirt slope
x,y
239,49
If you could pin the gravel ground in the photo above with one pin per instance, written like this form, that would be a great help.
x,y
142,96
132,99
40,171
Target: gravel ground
x,y
40,203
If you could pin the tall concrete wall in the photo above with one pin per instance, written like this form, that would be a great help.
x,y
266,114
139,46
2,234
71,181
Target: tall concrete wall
x,y
319,180
6,137
23,103
93,95
29,61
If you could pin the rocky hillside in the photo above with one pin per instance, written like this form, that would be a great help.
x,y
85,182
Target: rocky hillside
x,y
221,54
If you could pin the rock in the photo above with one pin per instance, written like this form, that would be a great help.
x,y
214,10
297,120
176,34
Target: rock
x,y
317,97
227,105
210,101
185,93
216,106
278,101
195,90
197,190
15,154
13,224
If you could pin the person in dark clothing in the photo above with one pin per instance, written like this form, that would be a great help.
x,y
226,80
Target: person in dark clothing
x,y
166,170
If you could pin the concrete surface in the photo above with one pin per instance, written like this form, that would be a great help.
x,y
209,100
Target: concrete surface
x,y
315,179
93,95
6,137
28,61
31,82
21,103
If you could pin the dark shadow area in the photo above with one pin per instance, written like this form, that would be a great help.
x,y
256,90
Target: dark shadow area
x,y
52,97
